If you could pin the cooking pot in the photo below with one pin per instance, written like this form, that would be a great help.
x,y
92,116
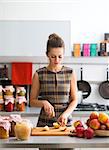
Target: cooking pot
x,y
84,86
104,87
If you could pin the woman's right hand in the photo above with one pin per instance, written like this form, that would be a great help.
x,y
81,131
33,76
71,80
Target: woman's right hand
x,y
49,109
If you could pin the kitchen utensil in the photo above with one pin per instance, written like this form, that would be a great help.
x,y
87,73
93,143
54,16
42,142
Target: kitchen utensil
x,y
104,87
84,86
51,132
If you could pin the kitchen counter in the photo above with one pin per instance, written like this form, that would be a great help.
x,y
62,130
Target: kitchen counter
x,y
34,111
56,142
30,111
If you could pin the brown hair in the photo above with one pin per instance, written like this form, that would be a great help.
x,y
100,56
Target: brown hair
x,y
54,41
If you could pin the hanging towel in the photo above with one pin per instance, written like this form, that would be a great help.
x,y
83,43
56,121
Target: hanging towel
x,y
21,73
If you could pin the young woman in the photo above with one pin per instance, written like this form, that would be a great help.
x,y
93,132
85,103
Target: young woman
x,y
54,88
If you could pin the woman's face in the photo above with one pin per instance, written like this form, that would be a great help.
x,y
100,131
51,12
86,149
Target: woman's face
x,y
56,56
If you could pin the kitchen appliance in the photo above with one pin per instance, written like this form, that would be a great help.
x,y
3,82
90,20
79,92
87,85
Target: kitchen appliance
x,y
91,107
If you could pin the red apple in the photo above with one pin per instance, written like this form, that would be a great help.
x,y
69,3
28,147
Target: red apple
x,y
80,131
94,124
94,115
103,117
107,124
78,123
88,133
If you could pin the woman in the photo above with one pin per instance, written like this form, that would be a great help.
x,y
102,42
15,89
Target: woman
x,y
54,88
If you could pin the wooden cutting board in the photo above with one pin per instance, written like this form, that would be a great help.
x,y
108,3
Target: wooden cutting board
x,y
52,131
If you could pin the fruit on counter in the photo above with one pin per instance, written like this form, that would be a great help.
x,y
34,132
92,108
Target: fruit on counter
x,y
103,127
64,128
88,122
98,125
103,117
46,128
56,125
94,124
79,131
22,130
94,115
88,133
78,123
107,124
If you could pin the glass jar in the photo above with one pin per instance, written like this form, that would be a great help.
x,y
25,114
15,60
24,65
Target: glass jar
x,y
9,104
1,98
20,103
4,129
13,120
9,90
23,130
21,91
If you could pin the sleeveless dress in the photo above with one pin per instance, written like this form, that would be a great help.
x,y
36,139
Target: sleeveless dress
x,y
54,87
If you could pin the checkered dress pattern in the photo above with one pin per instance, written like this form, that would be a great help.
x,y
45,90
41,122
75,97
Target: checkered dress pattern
x,y
54,87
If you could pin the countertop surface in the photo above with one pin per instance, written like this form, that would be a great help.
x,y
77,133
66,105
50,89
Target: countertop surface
x,y
55,142
29,111
35,111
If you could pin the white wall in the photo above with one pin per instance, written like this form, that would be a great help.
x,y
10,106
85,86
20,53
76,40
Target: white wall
x,y
89,18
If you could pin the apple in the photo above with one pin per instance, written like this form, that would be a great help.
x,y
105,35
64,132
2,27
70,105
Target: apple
x,y
107,124
88,133
80,131
103,127
94,124
103,117
94,115
78,123
88,122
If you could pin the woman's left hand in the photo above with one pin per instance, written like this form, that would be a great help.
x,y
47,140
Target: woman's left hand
x,y
63,120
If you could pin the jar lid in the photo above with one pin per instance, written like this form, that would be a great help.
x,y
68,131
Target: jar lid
x,y
15,118
19,89
10,88
5,124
